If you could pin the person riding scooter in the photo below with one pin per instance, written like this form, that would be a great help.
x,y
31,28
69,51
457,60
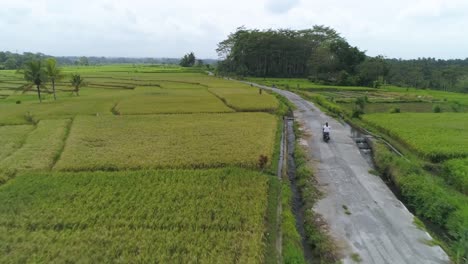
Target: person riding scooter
x,y
326,132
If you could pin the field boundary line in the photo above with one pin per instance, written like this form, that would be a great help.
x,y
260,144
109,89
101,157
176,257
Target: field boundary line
x,y
65,138
222,100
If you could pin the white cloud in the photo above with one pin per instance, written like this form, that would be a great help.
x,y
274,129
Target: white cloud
x,y
396,28
281,6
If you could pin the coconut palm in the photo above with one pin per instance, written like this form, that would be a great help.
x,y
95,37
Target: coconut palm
x,y
35,74
54,73
77,82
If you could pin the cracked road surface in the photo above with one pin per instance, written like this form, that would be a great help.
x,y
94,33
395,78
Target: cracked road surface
x,y
363,215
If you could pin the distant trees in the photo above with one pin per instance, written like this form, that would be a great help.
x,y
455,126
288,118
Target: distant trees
x,y
188,60
54,73
448,75
373,72
320,53
77,82
83,61
11,64
323,56
35,73
14,61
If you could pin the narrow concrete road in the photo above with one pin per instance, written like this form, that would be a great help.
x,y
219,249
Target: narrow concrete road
x,y
375,225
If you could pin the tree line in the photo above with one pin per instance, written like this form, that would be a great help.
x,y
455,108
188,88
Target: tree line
x,y
324,56
14,61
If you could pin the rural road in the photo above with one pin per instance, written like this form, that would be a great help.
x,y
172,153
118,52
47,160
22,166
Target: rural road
x,y
377,227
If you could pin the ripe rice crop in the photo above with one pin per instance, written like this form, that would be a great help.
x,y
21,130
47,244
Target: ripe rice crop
x,y
40,148
151,100
11,138
171,216
436,136
246,99
168,141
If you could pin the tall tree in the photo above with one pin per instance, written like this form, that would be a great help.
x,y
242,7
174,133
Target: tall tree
x,y
35,73
77,82
54,73
188,60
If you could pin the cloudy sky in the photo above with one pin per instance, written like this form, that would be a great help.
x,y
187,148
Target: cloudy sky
x,y
170,28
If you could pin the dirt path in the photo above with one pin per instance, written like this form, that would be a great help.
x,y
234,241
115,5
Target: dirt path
x,y
364,216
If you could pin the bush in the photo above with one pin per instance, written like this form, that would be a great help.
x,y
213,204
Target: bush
x,y
357,113
436,109
395,110
18,102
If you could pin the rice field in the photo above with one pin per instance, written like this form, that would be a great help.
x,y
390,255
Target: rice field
x,y
168,141
40,148
166,216
147,165
436,136
153,100
12,138
246,99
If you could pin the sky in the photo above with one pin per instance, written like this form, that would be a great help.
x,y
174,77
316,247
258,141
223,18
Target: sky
x,y
170,28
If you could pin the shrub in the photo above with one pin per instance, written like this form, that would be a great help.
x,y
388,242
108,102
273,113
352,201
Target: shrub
x,y
395,110
436,109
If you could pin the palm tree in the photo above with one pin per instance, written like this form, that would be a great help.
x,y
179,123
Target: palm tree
x,y
35,74
54,73
77,82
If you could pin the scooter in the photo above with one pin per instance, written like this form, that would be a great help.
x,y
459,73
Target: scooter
x,y
326,136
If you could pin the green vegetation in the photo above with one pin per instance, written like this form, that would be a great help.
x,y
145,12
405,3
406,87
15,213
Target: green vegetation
x,y
321,243
456,174
35,73
303,84
356,258
209,216
168,141
292,241
435,136
430,197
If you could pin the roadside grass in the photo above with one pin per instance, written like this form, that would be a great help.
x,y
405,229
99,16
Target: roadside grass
x,y
207,216
456,174
40,147
303,84
323,247
356,258
247,99
430,198
436,136
291,241
168,141
405,107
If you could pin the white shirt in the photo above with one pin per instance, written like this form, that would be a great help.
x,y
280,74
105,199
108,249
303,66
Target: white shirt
x,y
326,129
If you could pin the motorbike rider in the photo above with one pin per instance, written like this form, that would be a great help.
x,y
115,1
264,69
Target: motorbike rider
x,y
326,130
